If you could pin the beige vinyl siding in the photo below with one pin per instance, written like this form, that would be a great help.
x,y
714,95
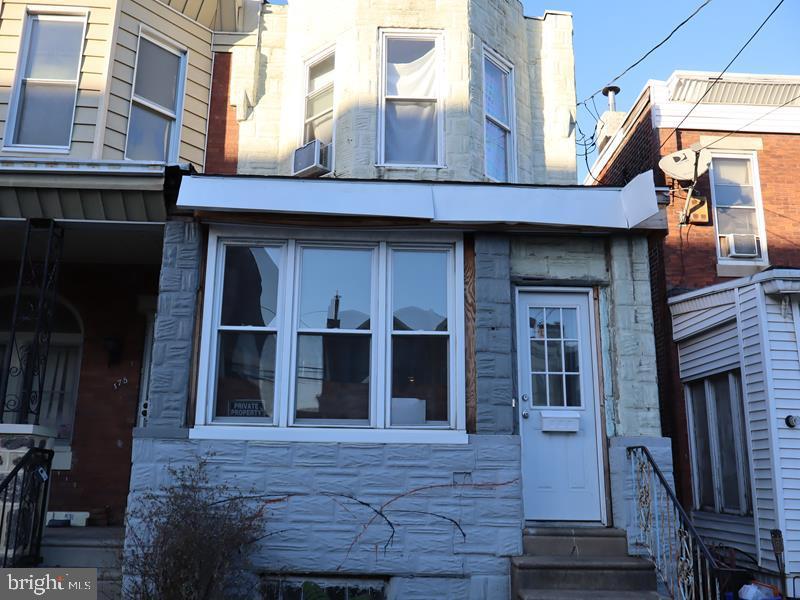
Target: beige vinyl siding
x,y
155,16
92,72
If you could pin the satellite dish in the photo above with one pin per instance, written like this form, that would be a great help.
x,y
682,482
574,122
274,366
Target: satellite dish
x,y
681,164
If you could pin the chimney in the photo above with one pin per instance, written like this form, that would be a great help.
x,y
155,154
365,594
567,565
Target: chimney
x,y
610,121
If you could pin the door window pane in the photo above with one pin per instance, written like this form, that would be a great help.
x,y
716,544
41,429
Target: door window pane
x,y
419,379
572,389
148,135
555,362
332,377
250,289
419,290
335,288
157,71
539,389
245,375
45,115
702,445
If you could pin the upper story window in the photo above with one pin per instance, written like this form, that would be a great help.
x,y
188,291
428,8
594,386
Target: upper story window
x,y
412,121
43,104
318,124
355,334
721,466
156,103
737,208
498,94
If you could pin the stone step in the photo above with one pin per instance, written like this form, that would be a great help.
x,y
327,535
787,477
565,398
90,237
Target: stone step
x,y
587,594
576,542
619,573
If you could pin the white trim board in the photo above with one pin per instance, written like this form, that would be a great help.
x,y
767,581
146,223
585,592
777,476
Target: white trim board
x,y
615,208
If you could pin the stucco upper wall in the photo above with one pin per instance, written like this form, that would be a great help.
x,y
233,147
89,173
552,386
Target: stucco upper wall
x,y
271,108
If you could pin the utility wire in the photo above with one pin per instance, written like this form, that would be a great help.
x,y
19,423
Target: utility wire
x,y
725,70
653,49
746,125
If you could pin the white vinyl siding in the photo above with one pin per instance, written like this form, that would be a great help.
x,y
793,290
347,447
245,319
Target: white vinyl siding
x,y
709,352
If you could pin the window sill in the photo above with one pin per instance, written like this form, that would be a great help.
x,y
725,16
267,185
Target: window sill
x,y
401,167
740,268
332,435
38,149
24,429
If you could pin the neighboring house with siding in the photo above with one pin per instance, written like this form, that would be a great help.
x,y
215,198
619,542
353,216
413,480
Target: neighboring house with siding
x,y
725,296
96,98
440,321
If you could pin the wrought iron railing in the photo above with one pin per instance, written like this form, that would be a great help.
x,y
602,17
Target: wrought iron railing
x,y
23,370
665,532
23,508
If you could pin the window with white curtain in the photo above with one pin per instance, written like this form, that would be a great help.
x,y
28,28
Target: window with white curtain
x,y
721,465
156,103
318,123
498,94
43,105
737,208
412,120
354,333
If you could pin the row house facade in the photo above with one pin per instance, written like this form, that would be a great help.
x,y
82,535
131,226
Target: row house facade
x,y
337,251
724,297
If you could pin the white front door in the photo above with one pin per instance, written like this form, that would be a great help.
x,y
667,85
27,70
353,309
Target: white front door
x,y
558,407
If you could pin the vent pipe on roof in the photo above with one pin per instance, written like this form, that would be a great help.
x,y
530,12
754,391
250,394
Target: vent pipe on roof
x,y
611,91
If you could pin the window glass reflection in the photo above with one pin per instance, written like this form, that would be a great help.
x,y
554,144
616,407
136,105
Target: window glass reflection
x,y
335,288
246,375
419,379
420,291
250,290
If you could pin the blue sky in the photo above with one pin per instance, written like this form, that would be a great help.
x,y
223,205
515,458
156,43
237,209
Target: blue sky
x,y
612,34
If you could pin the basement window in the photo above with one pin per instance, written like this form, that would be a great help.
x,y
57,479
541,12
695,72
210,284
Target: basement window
x,y
720,462
345,337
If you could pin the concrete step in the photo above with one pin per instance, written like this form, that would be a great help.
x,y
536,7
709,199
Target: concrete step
x,y
575,541
587,594
618,573
97,547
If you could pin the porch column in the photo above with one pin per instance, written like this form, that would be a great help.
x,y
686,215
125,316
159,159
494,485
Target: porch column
x,y
171,365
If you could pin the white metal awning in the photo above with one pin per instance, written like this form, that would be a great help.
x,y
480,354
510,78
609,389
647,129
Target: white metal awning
x,y
452,203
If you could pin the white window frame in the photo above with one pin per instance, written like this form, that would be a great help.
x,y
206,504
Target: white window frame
x,y
283,427
510,127
759,208
172,152
741,445
307,66
41,13
437,36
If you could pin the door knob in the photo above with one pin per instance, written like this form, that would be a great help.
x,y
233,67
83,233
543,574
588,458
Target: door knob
x,y
525,414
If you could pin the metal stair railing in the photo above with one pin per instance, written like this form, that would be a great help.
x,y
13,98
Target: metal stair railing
x,y
682,561
23,508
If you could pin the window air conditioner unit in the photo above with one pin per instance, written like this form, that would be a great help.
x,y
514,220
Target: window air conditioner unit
x,y
311,160
742,245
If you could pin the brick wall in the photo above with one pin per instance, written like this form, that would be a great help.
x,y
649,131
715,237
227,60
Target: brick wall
x,y
222,150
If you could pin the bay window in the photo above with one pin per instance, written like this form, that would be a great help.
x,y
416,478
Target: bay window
x,y
44,98
737,208
156,103
498,116
721,465
411,124
353,334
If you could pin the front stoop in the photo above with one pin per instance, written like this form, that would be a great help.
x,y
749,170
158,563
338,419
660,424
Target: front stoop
x,y
93,547
580,562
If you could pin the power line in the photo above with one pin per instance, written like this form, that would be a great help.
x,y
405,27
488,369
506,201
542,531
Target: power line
x,y
725,70
653,49
746,125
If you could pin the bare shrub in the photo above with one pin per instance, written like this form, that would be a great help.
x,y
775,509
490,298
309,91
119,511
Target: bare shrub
x,y
189,539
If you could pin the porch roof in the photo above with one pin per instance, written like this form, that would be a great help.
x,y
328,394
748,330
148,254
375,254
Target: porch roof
x,y
435,202
775,281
